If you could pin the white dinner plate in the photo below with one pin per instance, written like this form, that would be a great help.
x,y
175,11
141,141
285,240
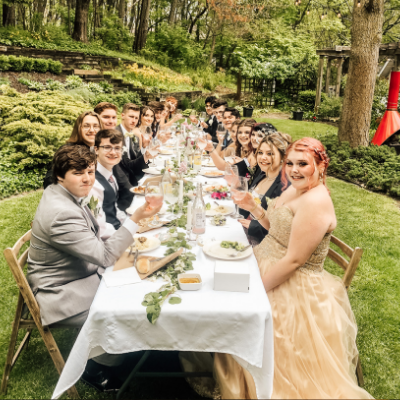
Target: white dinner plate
x,y
152,171
208,163
154,243
214,249
212,174
212,212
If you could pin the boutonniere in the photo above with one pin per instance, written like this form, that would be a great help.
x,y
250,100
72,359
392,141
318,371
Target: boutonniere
x,y
250,175
124,150
132,136
93,205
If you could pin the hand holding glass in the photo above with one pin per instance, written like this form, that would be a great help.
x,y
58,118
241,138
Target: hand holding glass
x,y
238,192
155,197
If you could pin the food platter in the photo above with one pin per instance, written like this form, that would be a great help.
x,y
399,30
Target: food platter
x,y
139,190
212,174
221,209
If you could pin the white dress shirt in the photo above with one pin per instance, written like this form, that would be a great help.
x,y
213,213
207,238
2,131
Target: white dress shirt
x,y
106,229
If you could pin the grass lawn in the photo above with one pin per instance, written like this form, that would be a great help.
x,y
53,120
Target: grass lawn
x,y
365,219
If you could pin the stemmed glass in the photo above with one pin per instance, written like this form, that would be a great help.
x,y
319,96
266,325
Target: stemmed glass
x,y
201,140
171,192
154,196
221,132
154,149
192,116
202,116
238,192
231,171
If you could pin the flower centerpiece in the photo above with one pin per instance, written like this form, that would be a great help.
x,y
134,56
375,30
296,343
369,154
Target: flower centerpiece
x,y
219,192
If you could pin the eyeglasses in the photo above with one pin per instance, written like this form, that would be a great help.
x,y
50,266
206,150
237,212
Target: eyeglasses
x,y
88,127
108,149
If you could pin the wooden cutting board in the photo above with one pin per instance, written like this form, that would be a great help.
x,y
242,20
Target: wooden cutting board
x,y
147,228
126,261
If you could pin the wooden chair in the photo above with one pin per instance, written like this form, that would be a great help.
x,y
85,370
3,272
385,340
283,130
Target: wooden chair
x,y
26,297
349,268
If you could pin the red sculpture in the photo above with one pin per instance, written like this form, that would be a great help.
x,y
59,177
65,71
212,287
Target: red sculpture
x,y
390,122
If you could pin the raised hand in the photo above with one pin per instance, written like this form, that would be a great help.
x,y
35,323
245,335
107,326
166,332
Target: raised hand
x,y
145,211
247,203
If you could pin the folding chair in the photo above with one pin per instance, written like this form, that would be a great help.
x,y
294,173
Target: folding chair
x,y
349,268
26,297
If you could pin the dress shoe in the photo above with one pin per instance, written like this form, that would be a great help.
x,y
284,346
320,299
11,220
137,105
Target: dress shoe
x,y
102,381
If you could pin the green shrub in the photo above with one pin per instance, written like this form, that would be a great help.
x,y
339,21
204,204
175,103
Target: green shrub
x,y
376,168
51,84
4,81
331,107
28,64
199,104
4,63
186,103
16,63
107,87
379,102
306,99
73,82
55,67
40,65
119,99
33,85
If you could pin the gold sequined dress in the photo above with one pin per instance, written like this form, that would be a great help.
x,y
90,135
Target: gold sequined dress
x,y
315,351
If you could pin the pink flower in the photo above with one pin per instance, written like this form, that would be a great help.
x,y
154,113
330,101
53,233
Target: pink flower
x,y
182,168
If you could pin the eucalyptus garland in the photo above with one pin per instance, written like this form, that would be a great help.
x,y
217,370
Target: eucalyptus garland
x,y
154,300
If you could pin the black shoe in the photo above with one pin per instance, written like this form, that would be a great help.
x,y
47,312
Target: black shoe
x,y
102,381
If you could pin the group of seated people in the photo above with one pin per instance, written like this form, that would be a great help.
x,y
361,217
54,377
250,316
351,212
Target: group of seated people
x,y
71,245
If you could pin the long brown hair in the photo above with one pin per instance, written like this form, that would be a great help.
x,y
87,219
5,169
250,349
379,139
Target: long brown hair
x,y
245,123
276,139
143,111
76,135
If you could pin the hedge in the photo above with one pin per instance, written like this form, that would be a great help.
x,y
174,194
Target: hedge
x,y
27,64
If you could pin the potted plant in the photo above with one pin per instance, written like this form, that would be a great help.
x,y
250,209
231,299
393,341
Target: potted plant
x,y
298,115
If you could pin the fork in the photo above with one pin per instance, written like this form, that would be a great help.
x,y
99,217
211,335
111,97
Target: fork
x,y
239,251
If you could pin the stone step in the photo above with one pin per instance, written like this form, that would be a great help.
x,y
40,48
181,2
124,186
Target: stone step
x,y
99,78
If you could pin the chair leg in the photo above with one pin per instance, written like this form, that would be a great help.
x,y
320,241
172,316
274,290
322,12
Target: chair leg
x,y
359,373
56,356
11,347
24,343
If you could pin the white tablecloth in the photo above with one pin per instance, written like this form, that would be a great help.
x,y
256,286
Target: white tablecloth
x,y
205,321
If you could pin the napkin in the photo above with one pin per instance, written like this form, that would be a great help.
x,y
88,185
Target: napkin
x,y
127,276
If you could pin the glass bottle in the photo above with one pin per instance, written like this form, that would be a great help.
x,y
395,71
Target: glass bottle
x,y
199,212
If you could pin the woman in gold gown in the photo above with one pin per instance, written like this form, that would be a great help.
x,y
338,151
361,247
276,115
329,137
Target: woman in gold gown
x,y
315,331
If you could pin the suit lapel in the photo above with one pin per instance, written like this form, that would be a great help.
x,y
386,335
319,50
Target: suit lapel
x,y
260,176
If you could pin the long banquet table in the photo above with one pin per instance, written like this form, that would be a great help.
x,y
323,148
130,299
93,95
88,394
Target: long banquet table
x,y
205,321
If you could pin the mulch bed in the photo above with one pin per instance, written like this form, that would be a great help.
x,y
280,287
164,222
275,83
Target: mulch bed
x,y
34,76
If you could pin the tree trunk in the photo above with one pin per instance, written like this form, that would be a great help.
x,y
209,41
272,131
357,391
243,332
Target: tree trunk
x,y
141,37
366,36
121,11
8,15
81,21
212,48
171,18
69,17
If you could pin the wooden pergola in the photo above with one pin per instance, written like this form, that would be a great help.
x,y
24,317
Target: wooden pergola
x,y
338,54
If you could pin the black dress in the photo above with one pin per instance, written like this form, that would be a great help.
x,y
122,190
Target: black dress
x,y
256,232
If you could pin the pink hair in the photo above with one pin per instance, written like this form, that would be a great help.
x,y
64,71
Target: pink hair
x,y
313,150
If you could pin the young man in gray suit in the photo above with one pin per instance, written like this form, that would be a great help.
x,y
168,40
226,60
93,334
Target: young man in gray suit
x,y
67,257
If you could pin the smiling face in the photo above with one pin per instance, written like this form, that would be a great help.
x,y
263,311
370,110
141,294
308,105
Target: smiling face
x,y
158,115
130,119
243,135
301,170
172,106
109,154
147,118
256,137
228,120
268,158
209,109
219,113
90,126
109,118
79,183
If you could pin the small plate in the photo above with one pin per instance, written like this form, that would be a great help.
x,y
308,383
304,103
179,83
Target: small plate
x,y
152,171
207,163
153,243
214,249
137,191
212,174
131,210
212,212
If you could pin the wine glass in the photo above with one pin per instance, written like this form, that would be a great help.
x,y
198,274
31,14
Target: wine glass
x,y
192,116
154,196
171,193
238,192
221,131
154,149
231,171
147,133
202,116
201,140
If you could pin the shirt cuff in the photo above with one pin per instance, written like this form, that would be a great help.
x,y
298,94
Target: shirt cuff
x,y
131,226
247,162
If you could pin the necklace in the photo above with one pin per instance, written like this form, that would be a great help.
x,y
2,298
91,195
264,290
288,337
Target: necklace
x,y
269,179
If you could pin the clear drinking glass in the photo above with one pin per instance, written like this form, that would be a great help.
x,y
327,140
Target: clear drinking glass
x,y
202,116
231,171
201,140
154,196
221,132
238,192
171,193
